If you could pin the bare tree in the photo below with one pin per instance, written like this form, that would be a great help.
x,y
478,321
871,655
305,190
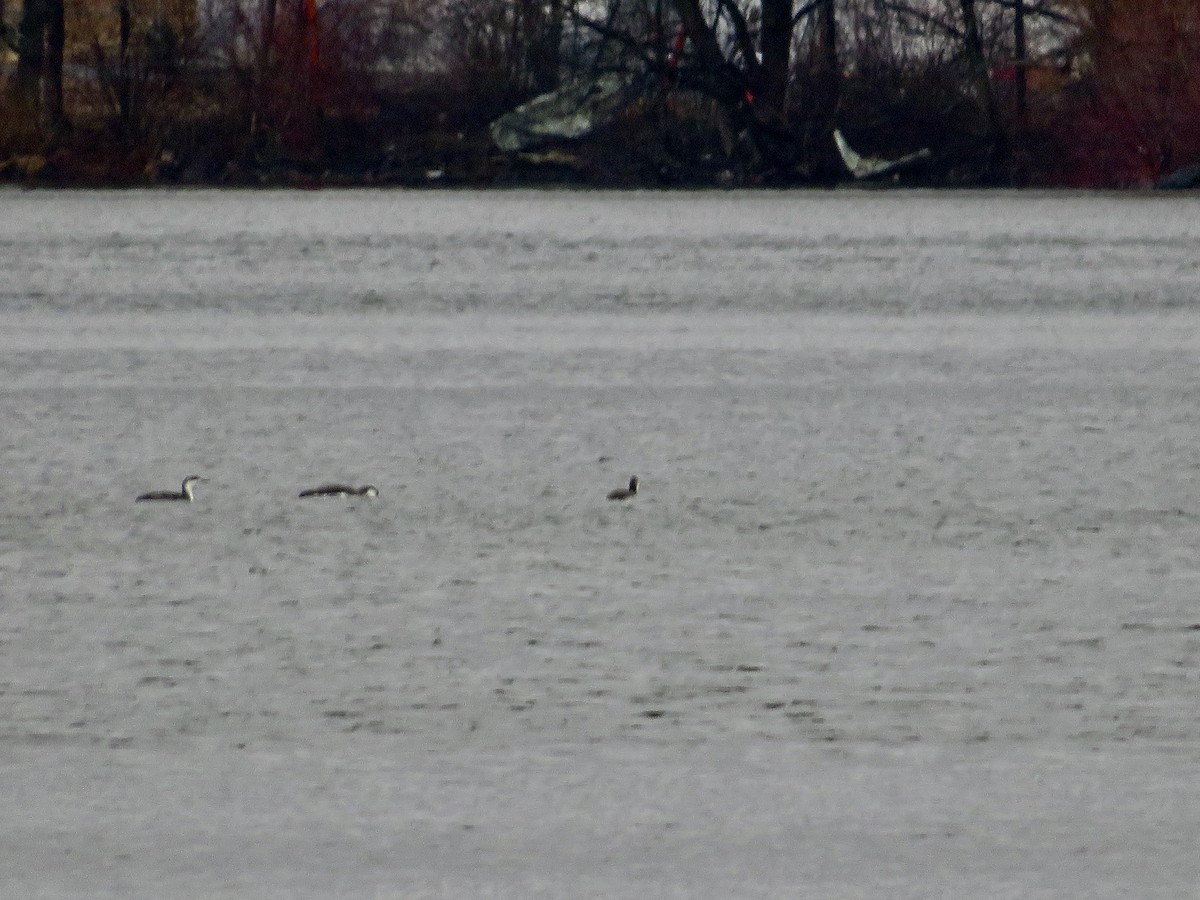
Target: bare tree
x,y
38,79
31,49
1021,54
542,27
517,44
817,81
980,73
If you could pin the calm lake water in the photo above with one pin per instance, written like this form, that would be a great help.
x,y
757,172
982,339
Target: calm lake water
x,y
906,607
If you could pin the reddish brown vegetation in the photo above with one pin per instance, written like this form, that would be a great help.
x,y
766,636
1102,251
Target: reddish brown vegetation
x,y
1137,111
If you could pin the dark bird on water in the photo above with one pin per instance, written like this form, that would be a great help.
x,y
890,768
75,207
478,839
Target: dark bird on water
x,y
625,493
184,493
341,490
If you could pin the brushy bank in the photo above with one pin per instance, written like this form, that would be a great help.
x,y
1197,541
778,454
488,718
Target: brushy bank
x,y
1087,93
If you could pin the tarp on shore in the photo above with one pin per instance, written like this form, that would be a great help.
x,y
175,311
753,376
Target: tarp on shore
x,y
569,113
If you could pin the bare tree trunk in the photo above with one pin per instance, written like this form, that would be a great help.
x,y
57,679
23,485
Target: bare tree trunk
x,y
983,84
52,84
124,86
309,62
828,28
1020,158
547,47
1022,52
263,63
31,53
775,44
828,74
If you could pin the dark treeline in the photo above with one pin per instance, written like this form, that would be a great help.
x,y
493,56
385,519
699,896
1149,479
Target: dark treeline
x,y
640,92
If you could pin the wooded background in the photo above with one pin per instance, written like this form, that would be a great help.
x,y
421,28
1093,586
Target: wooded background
x,y
1003,92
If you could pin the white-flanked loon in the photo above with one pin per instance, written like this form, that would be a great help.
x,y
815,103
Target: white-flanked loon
x,y
184,493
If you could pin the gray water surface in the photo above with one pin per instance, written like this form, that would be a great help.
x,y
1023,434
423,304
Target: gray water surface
x,y
905,607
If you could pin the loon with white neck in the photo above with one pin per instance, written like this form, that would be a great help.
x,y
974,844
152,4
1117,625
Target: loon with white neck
x,y
184,493
625,493
341,490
